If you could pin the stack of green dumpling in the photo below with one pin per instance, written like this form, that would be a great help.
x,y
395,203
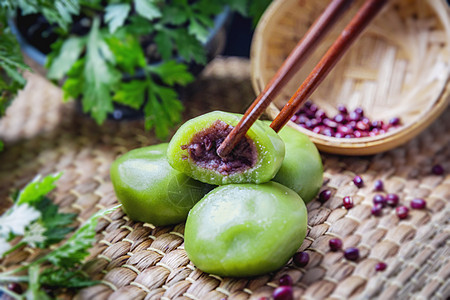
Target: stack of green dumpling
x,y
248,225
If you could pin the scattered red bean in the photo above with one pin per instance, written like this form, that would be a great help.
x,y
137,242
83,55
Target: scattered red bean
x,y
437,170
379,199
394,121
402,212
377,209
381,266
301,259
335,244
378,185
392,199
342,109
347,202
351,254
283,293
345,124
15,287
286,280
324,195
418,203
358,181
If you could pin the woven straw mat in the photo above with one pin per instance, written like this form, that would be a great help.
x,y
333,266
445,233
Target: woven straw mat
x,y
136,260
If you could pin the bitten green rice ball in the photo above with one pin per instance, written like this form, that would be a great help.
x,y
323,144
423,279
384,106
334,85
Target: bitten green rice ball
x,y
256,159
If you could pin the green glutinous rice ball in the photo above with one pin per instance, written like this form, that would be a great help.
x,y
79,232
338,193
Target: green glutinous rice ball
x,y
242,230
150,190
302,169
255,159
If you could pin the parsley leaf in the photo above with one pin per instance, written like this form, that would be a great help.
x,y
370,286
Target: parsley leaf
x,y
200,31
257,8
99,76
37,189
165,44
172,73
69,53
131,93
127,51
11,67
163,110
147,9
116,15
188,46
75,249
94,76
34,235
42,225
15,220
56,224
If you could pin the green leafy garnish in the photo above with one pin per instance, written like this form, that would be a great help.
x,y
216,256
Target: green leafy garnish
x,y
35,219
110,65
11,68
116,15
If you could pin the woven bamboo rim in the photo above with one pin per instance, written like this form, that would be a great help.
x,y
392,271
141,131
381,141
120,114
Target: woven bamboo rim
x,y
136,260
398,67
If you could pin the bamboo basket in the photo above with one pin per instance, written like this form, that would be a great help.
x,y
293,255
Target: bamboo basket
x,y
398,67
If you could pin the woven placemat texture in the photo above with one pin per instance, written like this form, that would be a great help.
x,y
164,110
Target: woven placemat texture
x,y
140,261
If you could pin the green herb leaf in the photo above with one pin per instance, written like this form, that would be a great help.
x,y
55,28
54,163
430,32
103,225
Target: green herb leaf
x,y
127,51
75,249
65,278
34,235
16,219
58,12
56,224
162,110
34,289
116,15
139,26
148,9
239,5
99,76
172,73
165,44
68,54
131,93
257,8
11,68
189,47
74,85
174,15
199,31
37,189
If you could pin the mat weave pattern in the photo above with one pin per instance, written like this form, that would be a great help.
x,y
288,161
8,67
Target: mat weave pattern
x,y
140,261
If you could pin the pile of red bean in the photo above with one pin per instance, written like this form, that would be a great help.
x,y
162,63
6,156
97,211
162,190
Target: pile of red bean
x,y
344,124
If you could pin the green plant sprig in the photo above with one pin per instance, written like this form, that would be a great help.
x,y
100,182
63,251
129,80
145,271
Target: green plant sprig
x,y
37,222
93,67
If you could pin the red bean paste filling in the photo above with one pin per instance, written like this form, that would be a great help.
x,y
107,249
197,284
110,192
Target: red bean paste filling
x,y
203,150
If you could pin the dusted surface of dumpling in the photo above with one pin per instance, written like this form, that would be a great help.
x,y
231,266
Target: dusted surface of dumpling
x,y
302,169
150,190
245,229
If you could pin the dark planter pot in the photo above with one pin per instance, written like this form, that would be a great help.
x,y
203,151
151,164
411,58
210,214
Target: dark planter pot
x,y
35,36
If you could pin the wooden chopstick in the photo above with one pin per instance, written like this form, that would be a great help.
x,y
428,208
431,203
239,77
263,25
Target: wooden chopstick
x,y
297,57
357,24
